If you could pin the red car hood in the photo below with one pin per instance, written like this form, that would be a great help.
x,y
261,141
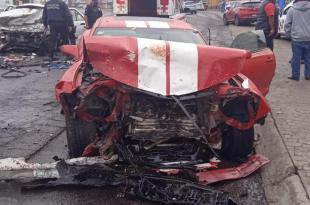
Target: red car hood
x,y
166,68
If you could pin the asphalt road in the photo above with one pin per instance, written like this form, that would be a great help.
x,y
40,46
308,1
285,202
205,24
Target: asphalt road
x,y
32,127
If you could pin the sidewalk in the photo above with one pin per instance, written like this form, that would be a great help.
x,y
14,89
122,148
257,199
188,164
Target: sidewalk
x,y
285,138
290,103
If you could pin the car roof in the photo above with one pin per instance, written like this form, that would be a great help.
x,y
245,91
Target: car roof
x,y
148,22
250,1
31,5
39,6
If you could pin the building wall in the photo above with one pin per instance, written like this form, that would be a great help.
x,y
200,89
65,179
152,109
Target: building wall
x,y
213,3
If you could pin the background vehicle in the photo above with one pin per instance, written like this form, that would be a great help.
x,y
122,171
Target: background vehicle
x,y
200,6
282,18
241,12
147,8
10,7
190,7
205,4
22,28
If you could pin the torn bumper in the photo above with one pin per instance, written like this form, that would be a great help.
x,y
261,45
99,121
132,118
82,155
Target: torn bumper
x,y
243,170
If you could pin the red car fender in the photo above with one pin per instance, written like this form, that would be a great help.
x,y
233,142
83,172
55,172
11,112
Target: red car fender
x,y
69,81
263,108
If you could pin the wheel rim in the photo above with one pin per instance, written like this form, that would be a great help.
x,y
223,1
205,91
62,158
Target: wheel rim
x,y
237,20
225,20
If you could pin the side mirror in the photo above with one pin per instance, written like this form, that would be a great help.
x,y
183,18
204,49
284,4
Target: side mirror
x,y
71,50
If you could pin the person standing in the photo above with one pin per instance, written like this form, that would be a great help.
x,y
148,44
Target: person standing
x,y
223,6
297,26
268,21
57,17
92,13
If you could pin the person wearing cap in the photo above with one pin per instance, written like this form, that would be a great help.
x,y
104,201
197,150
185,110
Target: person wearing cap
x,y
92,13
297,26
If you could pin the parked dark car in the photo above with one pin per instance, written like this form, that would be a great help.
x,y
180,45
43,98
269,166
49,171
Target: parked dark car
x,y
241,12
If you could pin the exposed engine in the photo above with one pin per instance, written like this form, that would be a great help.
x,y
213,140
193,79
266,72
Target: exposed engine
x,y
165,131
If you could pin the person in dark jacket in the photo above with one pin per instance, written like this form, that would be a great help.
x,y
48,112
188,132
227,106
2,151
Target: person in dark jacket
x,y
268,21
57,17
92,13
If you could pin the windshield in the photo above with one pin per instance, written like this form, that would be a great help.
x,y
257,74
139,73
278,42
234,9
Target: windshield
x,y
251,4
21,16
178,35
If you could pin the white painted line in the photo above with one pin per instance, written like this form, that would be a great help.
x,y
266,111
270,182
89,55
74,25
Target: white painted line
x,y
136,24
152,65
183,68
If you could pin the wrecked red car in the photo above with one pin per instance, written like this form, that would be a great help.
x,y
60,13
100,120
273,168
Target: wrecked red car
x,y
153,93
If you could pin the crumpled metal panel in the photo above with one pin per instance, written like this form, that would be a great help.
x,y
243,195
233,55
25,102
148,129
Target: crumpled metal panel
x,y
166,68
243,170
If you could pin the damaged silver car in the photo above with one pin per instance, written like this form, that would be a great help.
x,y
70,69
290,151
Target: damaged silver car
x,y
21,29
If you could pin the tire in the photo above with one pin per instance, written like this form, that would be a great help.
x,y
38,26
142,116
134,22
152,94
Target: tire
x,y
237,144
45,47
80,133
237,21
225,21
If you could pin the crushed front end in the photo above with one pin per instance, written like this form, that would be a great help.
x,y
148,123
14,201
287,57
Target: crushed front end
x,y
202,132
26,40
187,135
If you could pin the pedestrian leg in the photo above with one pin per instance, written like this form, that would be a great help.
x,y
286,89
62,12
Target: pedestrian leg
x,y
269,41
306,55
64,35
297,53
54,35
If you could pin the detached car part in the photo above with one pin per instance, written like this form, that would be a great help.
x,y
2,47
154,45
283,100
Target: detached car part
x,y
97,172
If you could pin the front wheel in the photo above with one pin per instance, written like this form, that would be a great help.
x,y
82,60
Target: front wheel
x,y
225,21
80,133
237,21
237,144
45,47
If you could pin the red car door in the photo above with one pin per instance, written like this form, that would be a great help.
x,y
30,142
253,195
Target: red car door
x,y
260,68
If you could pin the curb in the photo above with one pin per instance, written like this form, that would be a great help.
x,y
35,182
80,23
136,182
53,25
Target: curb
x,y
281,183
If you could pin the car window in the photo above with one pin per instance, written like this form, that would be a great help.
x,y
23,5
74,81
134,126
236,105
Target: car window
x,y
251,4
286,10
178,35
252,41
79,17
236,4
73,14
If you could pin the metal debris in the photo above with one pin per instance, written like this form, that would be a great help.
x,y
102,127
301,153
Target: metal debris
x,y
98,172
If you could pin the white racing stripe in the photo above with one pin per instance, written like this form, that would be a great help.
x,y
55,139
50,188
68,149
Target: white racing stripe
x,y
152,65
136,24
158,24
183,68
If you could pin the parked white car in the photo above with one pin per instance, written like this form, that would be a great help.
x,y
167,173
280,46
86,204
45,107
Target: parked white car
x,y
282,19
